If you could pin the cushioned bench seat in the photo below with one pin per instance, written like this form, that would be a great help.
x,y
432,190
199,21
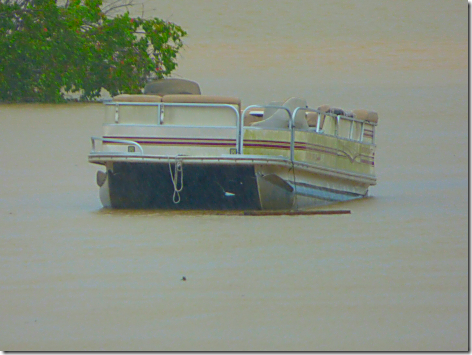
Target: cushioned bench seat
x,y
201,99
137,98
371,116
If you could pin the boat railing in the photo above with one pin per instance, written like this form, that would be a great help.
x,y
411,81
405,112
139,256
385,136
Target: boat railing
x,y
338,120
292,116
241,126
239,122
160,117
118,141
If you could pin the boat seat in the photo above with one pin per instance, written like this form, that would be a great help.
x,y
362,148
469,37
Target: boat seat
x,y
250,116
366,115
312,117
281,119
172,86
137,98
202,99
269,111
341,112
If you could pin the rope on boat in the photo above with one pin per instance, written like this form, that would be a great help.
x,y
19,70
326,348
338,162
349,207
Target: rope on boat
x,y
174,176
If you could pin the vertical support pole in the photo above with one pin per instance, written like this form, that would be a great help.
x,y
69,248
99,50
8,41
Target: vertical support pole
x,y
117,113
239,129
161,114
318,123
292,136
362,131
336,128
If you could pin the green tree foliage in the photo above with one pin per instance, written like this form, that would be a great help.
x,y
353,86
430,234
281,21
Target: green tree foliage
x,y
47,49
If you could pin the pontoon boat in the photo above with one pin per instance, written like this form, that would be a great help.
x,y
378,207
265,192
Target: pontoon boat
x,y
173,148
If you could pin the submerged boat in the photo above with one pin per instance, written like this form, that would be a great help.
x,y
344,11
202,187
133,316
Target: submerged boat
x,y
174,148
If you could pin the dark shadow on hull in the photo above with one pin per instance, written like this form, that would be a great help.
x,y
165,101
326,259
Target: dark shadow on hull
x,y
210,187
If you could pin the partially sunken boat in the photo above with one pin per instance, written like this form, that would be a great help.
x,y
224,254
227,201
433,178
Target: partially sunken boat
x,y
173,148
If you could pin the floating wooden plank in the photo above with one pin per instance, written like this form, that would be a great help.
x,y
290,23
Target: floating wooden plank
x,y
294,213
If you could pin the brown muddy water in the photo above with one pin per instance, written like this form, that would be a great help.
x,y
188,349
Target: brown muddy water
x,y
392,275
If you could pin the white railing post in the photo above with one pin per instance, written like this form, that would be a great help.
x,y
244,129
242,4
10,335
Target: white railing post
x,y
117,113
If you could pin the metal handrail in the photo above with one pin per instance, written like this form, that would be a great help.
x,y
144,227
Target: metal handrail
x,y
181,104
338,119
112,140
346,117
241,135
239,121
161,105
